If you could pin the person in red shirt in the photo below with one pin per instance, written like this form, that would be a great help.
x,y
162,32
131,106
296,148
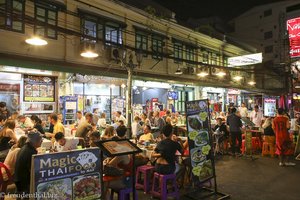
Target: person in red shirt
x,y
283,142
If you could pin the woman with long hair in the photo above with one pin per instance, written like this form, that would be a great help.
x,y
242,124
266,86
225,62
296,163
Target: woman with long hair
x,y
108,133
37,124
7,135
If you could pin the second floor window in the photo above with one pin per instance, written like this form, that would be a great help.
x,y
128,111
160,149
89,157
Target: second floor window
x,y
157,47
12,15
190,53
95,28
204,57
141,41
178,52
46,21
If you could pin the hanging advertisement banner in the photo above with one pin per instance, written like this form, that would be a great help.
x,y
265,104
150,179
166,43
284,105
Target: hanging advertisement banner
x,y
67,175
200,141
269,107
293,27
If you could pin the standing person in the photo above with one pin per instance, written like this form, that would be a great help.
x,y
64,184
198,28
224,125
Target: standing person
x,y
136,128
57,126
85,127
158,122
283,142
119,117
256,116
243,110
23,163
80,118
235,124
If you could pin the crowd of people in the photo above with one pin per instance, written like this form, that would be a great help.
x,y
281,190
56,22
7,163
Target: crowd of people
x,y
276,130
16,152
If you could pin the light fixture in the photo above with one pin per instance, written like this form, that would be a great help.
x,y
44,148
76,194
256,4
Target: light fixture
x,y
251,83
202,74
134,87
145,88
178,71
89,54
221,74
112,86
36,41
238,78
250,100
123,85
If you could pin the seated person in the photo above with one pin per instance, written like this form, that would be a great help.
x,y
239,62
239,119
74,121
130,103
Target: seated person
x,y
94,137
165,152
7,138
2,121
147,136
11,157
222,128
121,133
25,122
63,143
37,124
269,135
109,132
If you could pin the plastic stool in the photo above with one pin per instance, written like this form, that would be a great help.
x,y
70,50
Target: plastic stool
x,y
268,149
123,194
160,186
143,177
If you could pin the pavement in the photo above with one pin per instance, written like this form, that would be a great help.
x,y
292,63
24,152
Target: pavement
x,y
246,179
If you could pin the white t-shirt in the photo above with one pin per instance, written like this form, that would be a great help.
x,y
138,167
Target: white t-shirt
x,y
136,128
102,123
256,117
121,118
71,143
243,111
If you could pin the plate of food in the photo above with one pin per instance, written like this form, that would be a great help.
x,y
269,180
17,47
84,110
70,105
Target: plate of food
x,y
197,156
62,189
202,138
86,187
194,123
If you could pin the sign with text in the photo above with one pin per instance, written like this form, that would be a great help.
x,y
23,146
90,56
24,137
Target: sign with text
x,y
269,107
198,127
39,88
68,175
293,27
250,59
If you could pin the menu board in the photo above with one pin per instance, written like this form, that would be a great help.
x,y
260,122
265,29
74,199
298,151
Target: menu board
x,y
39,88
269,107
118,147
199,136
67,175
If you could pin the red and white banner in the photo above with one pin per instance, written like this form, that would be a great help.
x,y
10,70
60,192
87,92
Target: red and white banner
x,y
293,27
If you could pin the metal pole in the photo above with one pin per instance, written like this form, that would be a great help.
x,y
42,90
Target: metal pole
x,y
128,100
110,102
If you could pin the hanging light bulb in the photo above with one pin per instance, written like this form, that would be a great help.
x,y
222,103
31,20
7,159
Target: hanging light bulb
x,y
145,88
112,86
134,87
36,41
238,78
123,85
202,74
221,74
89,54
251,83
178,71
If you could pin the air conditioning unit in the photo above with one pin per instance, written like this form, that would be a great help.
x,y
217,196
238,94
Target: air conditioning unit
x,y
190,69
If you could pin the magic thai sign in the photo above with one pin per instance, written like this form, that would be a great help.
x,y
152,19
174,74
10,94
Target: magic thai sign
x,y
68,175
293,27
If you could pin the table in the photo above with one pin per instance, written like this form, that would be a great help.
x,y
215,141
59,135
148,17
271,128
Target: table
x,y
45,144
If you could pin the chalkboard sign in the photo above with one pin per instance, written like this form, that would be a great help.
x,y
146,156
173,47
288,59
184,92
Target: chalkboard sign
x,y
67,175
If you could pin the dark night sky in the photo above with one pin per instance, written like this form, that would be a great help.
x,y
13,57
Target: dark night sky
x,y
227,9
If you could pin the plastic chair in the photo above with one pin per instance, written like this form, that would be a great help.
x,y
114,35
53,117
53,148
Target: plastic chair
x,y
160,186
143,177
268,149
123,194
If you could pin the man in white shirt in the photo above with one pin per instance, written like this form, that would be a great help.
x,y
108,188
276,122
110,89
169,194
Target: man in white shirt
x,y
63,143
119,117
80,118
243,110
256,116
